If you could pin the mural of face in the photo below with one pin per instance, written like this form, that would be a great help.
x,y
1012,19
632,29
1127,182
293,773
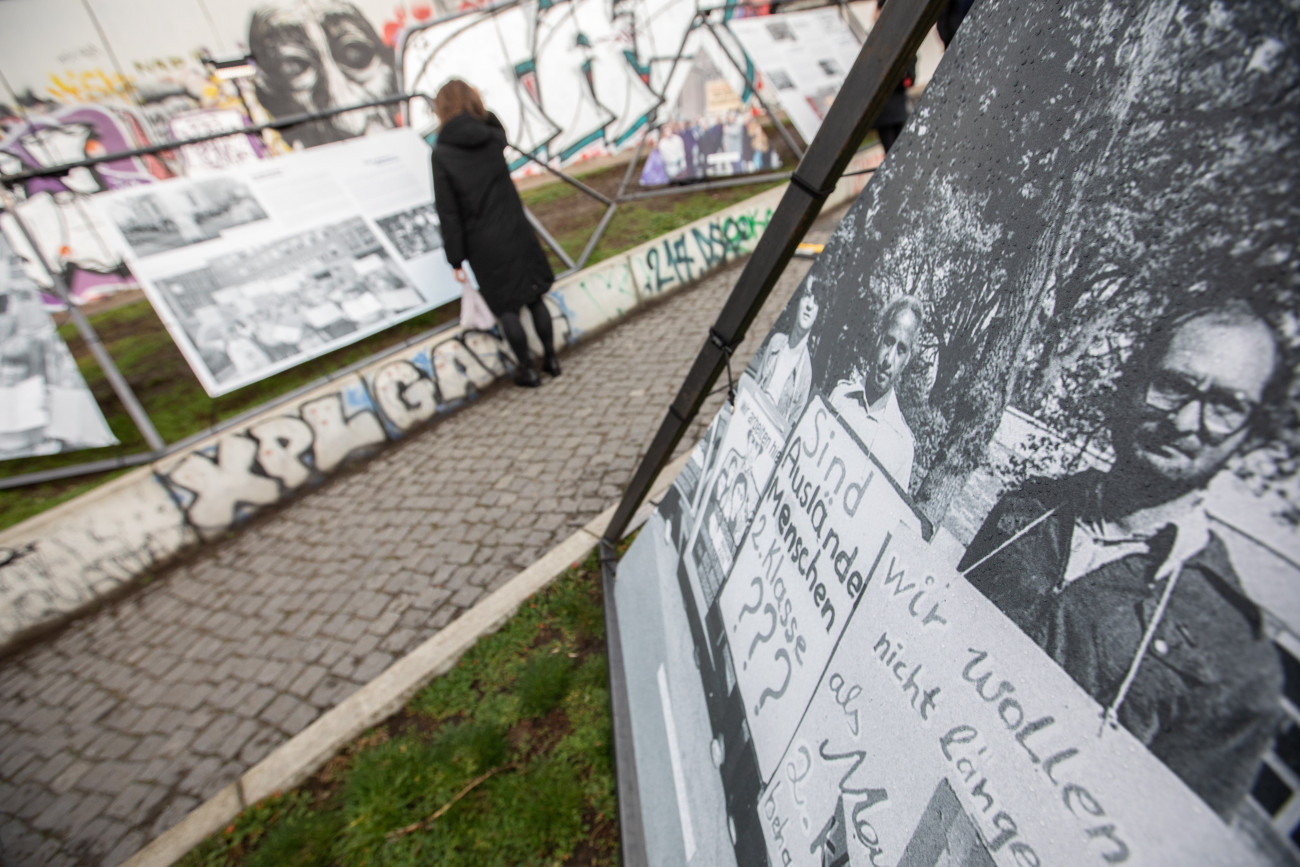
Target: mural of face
x,y
311,60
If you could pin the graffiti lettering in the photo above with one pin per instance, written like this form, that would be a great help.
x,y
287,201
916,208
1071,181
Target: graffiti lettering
x,y
87,86
281,444
405,395
459,371
221,485
672,262
336,437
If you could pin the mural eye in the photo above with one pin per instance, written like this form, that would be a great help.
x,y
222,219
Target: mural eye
x,y
355,54
292,67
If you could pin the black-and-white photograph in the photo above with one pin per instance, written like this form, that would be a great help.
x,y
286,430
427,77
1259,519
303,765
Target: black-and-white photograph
x,y
248,313
414,232
780,31
180,213
780,79
45,406
829,66
1062,320
1086,375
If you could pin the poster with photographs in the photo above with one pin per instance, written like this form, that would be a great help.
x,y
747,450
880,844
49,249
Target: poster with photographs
x,y
1022,584
45,406
263,266
804,56
710,132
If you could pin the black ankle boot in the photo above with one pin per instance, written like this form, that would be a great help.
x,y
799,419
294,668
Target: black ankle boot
x,y
551,365
526,377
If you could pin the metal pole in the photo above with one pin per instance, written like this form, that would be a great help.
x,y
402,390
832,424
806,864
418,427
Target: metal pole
x,y
706,186
884,58
596,235
549,239
146,150
571,181
105,361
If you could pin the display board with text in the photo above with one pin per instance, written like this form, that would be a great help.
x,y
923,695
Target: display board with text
x,y
257,268
804,57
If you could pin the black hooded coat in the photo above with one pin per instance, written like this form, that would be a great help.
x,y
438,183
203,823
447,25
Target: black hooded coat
x,y
482,218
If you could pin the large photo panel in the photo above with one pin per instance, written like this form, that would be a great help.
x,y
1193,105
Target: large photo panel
x,y
261,267
1005,568
45,405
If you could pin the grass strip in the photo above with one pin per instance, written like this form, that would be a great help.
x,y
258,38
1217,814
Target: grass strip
x,y
504,760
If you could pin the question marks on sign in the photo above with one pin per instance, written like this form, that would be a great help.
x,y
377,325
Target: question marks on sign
x,y
784,656
762,637
757,582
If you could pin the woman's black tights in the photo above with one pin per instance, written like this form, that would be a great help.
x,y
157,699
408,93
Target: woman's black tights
x,y
518,340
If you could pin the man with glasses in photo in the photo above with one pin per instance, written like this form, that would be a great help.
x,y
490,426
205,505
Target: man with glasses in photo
x,y
1117,575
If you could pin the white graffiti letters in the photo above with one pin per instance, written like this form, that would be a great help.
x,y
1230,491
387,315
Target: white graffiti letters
x,y
221,485
281,443
406,396
336,437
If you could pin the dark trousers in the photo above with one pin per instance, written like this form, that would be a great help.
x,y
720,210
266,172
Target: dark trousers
x,y
518,340
889,134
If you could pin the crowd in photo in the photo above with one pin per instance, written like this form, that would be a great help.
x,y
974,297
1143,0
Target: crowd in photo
x,y
707,147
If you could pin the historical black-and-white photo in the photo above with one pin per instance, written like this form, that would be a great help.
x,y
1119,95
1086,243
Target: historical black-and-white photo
x,y
1062,321
1096,407
45,405
247,312
780,30
780,79
181,213
829,66
414,232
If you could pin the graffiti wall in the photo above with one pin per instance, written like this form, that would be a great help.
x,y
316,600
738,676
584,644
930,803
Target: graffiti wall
x,y
575,78
85,78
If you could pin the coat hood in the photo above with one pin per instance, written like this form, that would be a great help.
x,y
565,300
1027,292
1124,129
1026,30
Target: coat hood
x,y
466,131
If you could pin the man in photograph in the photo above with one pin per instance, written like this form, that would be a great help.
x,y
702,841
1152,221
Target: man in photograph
x,y
1117,576
868,406
785,369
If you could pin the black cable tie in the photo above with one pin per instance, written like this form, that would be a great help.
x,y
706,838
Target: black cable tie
x,y
727,349
809,188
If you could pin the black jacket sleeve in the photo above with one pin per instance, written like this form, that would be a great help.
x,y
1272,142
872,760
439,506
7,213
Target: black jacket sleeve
x,y
448,208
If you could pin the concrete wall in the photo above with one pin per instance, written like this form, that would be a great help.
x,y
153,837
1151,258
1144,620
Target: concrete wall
x,y
65,561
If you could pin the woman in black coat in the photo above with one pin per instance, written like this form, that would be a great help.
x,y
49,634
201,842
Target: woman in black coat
x,y
483,222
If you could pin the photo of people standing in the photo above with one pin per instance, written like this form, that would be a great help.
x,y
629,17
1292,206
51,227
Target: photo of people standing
x,y
710,133
1085,376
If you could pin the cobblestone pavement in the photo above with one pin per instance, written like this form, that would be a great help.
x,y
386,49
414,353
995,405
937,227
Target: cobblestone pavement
x,y
115,728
